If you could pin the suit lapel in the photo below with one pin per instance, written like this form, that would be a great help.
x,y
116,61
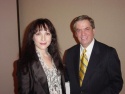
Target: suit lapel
x,y
93,62
76,62
39,73
40,76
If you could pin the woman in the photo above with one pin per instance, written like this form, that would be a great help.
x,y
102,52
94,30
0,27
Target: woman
x,y
40,69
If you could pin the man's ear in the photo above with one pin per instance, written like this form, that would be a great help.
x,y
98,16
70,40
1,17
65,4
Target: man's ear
x,y
94,31
75,34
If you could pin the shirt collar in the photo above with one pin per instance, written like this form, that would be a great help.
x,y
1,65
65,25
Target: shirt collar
x,y
89,48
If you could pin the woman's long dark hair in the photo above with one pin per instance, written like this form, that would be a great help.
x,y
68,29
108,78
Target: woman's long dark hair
x,y
29,55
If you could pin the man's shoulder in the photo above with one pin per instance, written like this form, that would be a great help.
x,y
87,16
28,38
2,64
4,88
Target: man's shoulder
x,y
103,46
75,47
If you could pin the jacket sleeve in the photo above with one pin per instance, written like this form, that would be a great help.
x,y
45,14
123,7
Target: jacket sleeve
x,y
114,72
23,79
65,68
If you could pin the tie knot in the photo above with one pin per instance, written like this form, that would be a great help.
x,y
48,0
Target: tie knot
x,y
84,51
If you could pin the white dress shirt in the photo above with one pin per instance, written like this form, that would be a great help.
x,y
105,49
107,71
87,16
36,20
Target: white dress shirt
x,y
89,49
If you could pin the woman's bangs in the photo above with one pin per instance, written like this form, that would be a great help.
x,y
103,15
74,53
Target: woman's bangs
x,y
41,27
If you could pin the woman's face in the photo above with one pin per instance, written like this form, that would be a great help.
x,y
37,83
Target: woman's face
x,y
42,39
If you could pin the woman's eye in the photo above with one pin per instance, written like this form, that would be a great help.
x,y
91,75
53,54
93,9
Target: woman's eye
x,y
38,33
47,33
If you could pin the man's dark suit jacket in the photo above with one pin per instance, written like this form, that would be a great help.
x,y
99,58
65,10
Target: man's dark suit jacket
x,y
103,75
35,80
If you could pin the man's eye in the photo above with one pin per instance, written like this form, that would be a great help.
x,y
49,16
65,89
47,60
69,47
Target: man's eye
x,y
78,30
87,29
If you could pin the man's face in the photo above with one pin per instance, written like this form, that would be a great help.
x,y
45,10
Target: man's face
x,y
84,32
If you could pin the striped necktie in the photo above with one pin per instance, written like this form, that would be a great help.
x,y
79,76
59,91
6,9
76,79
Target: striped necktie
x,y
83,66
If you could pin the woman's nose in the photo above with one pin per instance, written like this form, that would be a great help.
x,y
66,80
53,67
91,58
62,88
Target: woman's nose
x,y
43,38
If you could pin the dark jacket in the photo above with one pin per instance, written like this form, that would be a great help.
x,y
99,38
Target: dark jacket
x,y
103,75
34,81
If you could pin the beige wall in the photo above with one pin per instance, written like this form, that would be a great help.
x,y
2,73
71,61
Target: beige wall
x,y
108,15
8,45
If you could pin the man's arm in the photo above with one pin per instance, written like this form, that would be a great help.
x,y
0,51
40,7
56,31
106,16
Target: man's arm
x,y
114,72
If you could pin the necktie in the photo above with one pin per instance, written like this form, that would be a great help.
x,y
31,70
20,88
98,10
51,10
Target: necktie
x,y
83,66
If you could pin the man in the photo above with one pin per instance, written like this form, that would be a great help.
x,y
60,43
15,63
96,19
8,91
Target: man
x,y
100,72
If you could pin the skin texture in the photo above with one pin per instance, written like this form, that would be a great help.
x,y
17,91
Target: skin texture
x,y
42,39
84,32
